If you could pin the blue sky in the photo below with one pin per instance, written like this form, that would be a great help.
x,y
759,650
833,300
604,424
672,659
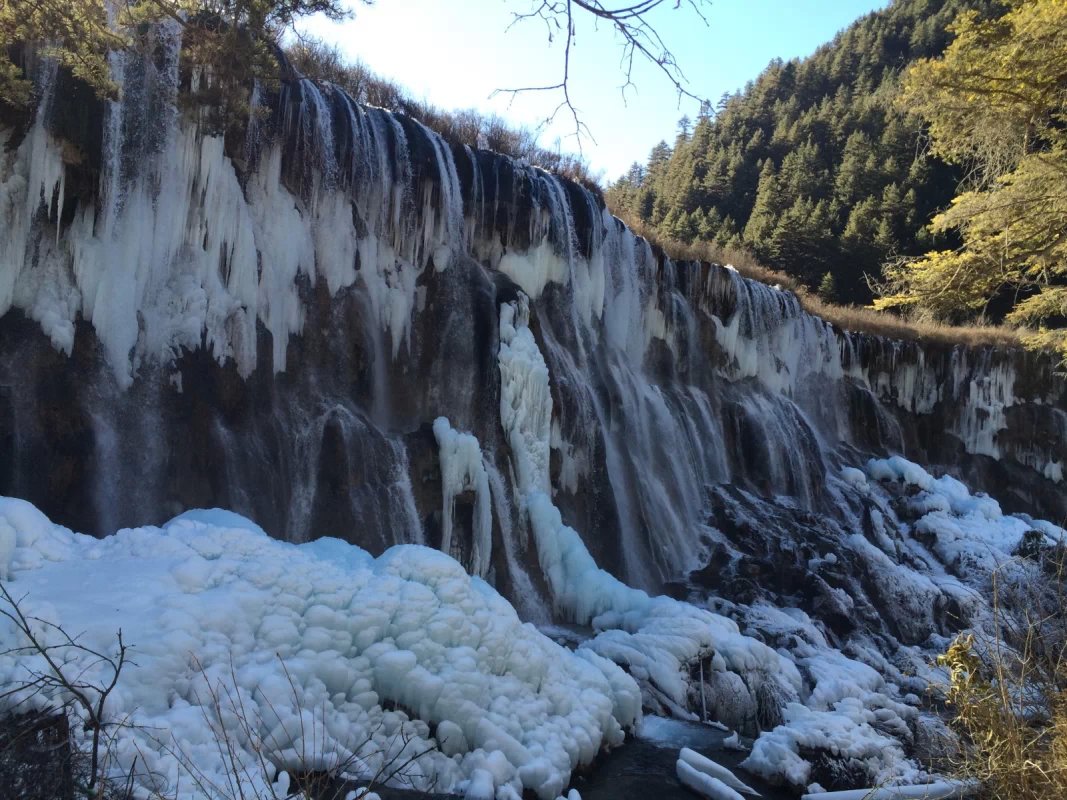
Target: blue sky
x,y
455,53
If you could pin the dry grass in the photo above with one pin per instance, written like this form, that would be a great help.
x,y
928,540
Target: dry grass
x,y
882,323
858,319
1008,690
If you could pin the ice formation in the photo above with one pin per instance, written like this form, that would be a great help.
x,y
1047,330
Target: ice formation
x,y
179,255
525,399
655,637
703,783
213,608
461,470
942,790
958,540
706,766
217,607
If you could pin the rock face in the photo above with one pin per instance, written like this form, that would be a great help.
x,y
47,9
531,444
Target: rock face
x,y
273,325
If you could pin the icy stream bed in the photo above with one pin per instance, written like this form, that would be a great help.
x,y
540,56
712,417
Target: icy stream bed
x,y
644,767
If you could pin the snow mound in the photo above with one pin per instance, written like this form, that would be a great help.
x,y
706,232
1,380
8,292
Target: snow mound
x,y
319,654
848,731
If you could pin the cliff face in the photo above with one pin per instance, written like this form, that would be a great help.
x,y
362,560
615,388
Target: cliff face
x,y
273,325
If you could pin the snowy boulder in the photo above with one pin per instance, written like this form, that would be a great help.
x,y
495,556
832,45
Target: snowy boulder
x,y
731,702
847,732
854,478
216,518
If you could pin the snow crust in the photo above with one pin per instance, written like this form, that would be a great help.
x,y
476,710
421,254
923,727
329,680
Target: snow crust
x,y
848,708
212,605
970,532
848,731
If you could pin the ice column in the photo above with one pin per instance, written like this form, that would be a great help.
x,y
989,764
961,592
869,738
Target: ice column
x,y
525,399
462,470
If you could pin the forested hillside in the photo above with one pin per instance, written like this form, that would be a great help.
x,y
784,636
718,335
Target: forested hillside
x,y
813,168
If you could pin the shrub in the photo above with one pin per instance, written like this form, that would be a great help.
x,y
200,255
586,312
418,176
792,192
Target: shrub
x,y
1008,691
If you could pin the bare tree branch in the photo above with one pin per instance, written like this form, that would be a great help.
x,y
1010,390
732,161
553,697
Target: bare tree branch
x,y
639,40
91,698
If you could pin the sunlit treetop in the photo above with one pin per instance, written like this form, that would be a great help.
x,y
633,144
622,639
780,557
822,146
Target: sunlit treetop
x,y
997,104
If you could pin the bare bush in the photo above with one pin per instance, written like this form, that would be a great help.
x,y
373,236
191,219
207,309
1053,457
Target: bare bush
x,y
326,770
39,757
85,699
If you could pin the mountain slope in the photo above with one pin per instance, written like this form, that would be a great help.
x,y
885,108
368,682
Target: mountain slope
x,y
812,168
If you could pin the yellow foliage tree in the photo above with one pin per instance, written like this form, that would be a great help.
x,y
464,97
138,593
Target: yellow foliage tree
x,y
996,102
229,36
1010,705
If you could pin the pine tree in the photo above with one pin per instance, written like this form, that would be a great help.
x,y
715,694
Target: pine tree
x,y
853,180
769,206
827,290
685,128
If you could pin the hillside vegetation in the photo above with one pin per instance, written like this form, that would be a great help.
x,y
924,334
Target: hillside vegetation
x,y
815,168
